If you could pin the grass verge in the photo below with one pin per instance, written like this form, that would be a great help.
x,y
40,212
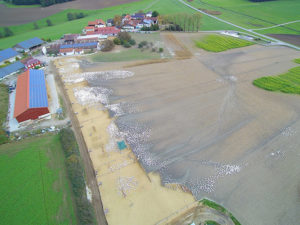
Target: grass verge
x,y
287,83
75,171
3,112
220,209
219,43
34,188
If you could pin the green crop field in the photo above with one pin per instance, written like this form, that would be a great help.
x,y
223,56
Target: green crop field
x,y
287,83
33,185
256,15
219,43
62,26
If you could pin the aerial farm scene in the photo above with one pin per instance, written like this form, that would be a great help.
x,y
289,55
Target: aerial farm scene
x,y
150,112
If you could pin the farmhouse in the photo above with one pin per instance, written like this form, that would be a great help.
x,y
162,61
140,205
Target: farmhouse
x,y
31,63
108,31
28,45
11,69
31,96
97,23
71,51
110,22
8,55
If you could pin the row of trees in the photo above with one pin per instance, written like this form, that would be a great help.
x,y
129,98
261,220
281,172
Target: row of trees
x,y
34,2
75,172
75,16
181,21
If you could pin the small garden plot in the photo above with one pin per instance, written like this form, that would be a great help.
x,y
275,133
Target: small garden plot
x,y
219,43
287,83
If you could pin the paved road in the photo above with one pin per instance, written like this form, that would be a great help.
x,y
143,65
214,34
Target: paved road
x,y
276,41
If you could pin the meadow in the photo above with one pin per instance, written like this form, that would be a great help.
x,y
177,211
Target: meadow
x,y
287,83
34,188
3,112
219,43
62,26
256,15
9,5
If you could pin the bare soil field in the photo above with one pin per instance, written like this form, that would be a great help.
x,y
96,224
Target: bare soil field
x,y
289,38
201,123
16,16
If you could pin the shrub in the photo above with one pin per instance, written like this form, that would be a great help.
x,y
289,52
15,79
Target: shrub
x,y
124,36
132,42
142,44
70,16
79,15
35,26
7,32
161,49
155,14
126,44
49,23
107,45
117,41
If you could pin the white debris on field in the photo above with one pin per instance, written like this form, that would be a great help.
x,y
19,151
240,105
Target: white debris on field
x,y
126,185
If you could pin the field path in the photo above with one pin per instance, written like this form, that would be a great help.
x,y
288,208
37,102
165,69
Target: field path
x,y
277,42
278,25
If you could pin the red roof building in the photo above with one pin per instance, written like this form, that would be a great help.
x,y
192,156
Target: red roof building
x,y
31,96
31,63
109,31
97,23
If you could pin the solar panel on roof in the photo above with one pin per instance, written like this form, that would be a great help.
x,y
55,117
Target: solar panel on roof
x,y
79,45
30,43
37,89
11,68
7,54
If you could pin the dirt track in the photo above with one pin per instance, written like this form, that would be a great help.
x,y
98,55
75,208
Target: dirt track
x,y
88,166
15,16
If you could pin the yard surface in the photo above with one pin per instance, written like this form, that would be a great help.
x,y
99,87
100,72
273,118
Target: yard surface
x,y
33,186
288,82
3,111
219,43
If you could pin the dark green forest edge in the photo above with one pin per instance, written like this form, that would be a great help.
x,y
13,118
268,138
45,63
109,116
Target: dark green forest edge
x,y
287,83
75,171
36,2
220,209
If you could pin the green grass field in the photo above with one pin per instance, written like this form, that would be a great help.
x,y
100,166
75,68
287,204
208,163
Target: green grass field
x,y
287,83
256,15
33,185
220,209
62,26
3,112
219,43
125,55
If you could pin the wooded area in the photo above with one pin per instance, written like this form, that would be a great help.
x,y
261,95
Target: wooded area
x,y
35,2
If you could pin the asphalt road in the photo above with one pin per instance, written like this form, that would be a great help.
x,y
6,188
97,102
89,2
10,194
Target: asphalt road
x,y
277,42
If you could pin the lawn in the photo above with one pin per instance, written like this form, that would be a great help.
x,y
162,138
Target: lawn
x,y
256,15
125,55
3,111
34,188
9,5
61,25
220,209
219,43
287,83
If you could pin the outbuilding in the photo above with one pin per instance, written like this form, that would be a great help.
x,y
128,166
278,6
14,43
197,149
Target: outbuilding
x,y
28,45
8,55
31,96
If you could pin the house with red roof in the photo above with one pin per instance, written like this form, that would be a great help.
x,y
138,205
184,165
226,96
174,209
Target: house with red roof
x,y
31,63
97,23
108,31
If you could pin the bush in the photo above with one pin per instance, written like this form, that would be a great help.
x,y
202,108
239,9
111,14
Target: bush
x,y
126,44
79,15
155,14
70,16
107,45
142,44
132,42
124,36
7,32
117,41
35,26
49,23
161,50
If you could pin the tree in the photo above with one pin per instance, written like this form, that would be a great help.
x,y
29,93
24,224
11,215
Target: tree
x,y
7,32
117,41
49,23
107,45
79,15
124,36
70,16
117,20
155,14
132,42
35,26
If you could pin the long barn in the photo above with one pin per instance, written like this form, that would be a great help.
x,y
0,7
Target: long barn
x,y
31,96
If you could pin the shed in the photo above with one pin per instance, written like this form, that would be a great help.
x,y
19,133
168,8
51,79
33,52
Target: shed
x,y
31,96
28,44
8,55
10,69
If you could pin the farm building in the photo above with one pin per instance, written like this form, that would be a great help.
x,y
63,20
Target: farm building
x,y
8,55
28,45
87,45
71,51
11,69
31,96
31,63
